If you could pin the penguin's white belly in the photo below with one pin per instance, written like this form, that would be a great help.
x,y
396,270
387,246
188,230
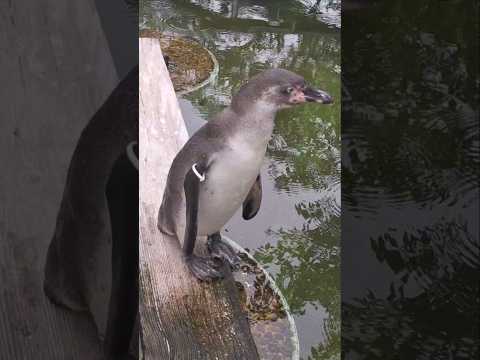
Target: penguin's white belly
x,y
228,181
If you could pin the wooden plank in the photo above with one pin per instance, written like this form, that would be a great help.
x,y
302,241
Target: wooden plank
x,y
52,55
180,317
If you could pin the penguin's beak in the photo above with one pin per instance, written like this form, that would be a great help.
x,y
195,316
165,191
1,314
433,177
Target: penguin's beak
x,y
318,96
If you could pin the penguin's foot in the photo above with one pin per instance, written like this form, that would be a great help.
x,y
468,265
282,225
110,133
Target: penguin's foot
x,y
222,251
204,269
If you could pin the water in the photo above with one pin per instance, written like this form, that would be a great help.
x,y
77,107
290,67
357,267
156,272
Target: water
x,y
296,234
410,146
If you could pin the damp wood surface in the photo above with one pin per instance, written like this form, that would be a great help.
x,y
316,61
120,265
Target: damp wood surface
x,y
180,317
53,54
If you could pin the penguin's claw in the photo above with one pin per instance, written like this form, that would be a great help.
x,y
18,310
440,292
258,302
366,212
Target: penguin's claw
x,y
203,268
224,252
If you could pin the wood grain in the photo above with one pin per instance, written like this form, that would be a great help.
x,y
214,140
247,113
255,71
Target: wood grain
x,y
180,317
51,59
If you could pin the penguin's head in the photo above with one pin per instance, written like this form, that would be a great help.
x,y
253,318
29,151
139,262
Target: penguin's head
x,y
279,89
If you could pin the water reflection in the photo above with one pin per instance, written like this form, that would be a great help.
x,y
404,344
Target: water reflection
x,y
410,182
296,233
274,12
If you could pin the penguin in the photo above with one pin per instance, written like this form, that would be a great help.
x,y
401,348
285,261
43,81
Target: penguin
x,y
218,168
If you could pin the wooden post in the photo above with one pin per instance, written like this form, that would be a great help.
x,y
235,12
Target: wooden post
x,y
180,317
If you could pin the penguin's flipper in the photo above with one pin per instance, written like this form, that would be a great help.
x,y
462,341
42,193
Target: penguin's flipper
x,y
251,205
202,268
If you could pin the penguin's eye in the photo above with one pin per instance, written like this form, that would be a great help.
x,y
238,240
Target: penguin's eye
x,y
288,90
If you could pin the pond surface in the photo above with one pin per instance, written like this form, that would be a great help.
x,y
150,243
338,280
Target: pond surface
x,y
296,234
410,146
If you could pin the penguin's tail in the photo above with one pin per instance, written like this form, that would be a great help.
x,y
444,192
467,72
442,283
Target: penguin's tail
x,y
166,223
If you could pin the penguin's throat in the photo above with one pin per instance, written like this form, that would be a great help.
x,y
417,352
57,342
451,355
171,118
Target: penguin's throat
x,y
263,107
256,130
258,121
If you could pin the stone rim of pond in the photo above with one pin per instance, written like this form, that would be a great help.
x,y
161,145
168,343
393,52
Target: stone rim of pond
x,y
292,327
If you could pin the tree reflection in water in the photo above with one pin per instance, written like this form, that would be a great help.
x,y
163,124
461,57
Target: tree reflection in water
x,y
410,182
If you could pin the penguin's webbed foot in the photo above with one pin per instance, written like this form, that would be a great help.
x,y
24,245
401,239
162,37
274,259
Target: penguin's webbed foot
x,y
204,269
222,251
